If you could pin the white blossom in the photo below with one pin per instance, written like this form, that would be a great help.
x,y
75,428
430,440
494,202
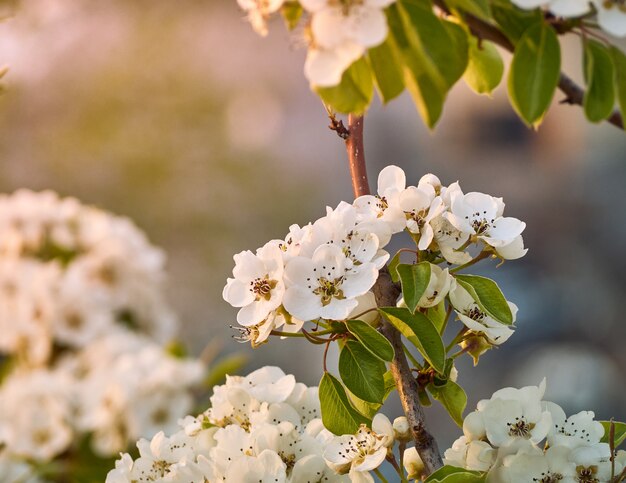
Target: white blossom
x,y
258,12
471,454
477,320
326,286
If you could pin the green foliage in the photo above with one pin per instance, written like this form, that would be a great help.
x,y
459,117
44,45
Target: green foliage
x,y
372,340
488,296
478,8
393,267
452,397
437,315
414,279
421,332
619,61
534,73
620,432
355,91
362,372
387,71
599,74
292,13
485,68
338,414
514,21
369,409
433,54
452,474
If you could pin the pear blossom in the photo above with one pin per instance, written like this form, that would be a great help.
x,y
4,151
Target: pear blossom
x,y
473,455
326,286
357,455
509,415
551,466
480,215
577,430
324,67
386,205
450,240
420,207
611,16
258,12
260,427
413,464
401,429
478,321
593,463
513,250
439,285
257,287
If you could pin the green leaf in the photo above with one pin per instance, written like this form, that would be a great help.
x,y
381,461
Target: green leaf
x,y
369,409
453,474
514,21
414,280
452,397
620,432
420,332
485,68
393,267
433,53
338,415
371,339
354,93
437,315
619,61
534,73
488,296
387,71
292,13
599,98
478,8
361,372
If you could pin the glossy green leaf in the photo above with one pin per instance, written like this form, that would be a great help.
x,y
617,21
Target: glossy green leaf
x,y
513,20
414,280
437,315
420,332
620,432
599,98
354,93
387,71
338,415
292,13
452,397
485,68
369,409
361,372
619,61
371,339
488,296
453,474
534,73
393,267
478,8
433,53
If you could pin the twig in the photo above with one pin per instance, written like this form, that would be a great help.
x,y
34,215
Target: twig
x,y
387,293
356,156
573,92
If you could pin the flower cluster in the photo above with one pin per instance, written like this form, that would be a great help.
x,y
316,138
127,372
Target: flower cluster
x,y
261,427
83,323
611,14
503,436
326,269
339,33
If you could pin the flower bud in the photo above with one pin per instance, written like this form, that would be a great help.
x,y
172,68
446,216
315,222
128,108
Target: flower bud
x,y
413,464
401,429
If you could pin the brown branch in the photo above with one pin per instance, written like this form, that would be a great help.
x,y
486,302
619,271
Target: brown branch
x,y
356,156
485,31
387,294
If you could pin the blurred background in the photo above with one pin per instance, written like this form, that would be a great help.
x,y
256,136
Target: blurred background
x,y
177,115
